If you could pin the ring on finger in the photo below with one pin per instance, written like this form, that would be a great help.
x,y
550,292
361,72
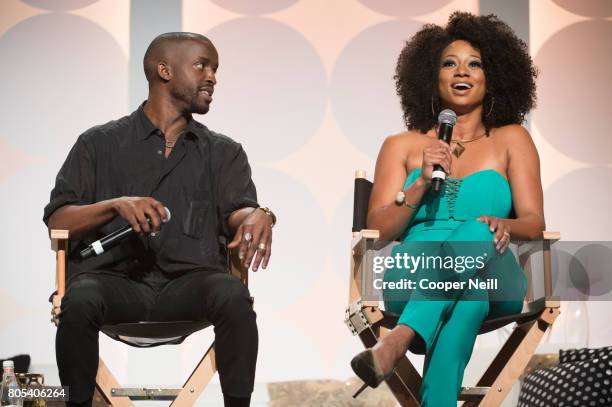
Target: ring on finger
x,y
247,236
261,247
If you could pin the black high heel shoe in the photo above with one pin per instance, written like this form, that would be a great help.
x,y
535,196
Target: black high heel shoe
x,y
367,369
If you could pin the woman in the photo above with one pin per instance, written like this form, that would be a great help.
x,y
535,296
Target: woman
x,y
477,67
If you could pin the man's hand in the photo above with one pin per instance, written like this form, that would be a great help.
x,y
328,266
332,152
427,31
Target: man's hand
x,y
254,235
136,210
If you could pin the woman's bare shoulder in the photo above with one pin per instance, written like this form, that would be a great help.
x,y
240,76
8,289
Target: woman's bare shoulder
x,y
517,141
513,134
406,139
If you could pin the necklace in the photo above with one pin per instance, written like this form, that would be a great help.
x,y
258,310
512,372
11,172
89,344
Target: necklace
x,y
460,148
171,144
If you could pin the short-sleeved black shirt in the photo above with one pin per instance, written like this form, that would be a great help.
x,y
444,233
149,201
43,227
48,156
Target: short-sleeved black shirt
x,y
205,178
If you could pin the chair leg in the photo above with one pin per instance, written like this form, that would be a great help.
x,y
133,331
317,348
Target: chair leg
x,y
410,378
402,392
512,359
197,381
98,399
105,381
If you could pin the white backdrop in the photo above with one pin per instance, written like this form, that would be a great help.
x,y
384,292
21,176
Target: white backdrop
x,y
307,87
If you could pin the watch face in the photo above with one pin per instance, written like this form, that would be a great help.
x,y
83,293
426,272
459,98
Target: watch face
x,y
400,197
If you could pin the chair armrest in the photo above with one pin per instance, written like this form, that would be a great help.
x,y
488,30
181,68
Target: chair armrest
x,y
550,235
59,244
547,238
363,241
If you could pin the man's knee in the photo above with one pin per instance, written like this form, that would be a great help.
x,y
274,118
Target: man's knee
x,y
82,299
234,299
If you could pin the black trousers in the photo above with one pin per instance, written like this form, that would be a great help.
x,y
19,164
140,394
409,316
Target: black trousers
x,y
93,300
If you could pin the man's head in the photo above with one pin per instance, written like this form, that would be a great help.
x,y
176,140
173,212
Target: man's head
x,y
181,67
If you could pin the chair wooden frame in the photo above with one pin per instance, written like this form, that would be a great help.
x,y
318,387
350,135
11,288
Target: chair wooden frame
x,y
366,320
107,385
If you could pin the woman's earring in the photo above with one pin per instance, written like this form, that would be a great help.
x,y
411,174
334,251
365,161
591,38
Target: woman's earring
x,y
492,104
433,111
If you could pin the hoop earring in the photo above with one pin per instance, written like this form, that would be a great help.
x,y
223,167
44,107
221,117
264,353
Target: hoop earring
x,y
491,108
433,112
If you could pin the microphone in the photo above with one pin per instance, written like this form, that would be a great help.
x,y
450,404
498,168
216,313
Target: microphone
x,y
111,240
446,120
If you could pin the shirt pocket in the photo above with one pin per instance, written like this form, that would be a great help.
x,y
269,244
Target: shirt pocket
x,y
197,215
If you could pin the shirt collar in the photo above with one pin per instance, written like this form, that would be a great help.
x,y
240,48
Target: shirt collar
x,y
148,128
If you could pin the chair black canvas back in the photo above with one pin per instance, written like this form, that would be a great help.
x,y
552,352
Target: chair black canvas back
x,y
361,200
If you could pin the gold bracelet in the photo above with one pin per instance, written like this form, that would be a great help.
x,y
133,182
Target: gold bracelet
x,y
268,212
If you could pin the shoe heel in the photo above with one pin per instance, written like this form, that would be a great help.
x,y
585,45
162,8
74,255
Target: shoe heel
x,y
361,389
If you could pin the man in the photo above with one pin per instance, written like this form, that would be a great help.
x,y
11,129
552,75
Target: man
x,y
126,172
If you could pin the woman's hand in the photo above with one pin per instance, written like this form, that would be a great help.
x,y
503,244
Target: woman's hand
x,y
438,154
502,231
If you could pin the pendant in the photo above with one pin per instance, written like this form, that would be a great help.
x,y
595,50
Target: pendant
x,y
459,149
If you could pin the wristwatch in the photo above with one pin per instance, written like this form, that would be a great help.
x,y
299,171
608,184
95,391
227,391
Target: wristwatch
x,y
400,199
269,213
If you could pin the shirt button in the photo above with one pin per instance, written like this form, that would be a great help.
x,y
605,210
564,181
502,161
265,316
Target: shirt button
x,y
159,152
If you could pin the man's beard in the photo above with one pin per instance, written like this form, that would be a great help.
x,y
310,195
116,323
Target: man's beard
x,y
199,108
192,101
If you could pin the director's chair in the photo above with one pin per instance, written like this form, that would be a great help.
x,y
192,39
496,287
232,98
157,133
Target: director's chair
x,y
143,335
368,321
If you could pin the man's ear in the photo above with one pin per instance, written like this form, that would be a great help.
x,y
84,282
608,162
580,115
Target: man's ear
x,y
164,71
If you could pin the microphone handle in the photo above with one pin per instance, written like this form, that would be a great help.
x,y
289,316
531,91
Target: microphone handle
x,y
436,184
445,133
116,236
106,242
111,240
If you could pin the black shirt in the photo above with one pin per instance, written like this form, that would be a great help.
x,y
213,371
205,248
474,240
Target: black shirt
x,y
204,179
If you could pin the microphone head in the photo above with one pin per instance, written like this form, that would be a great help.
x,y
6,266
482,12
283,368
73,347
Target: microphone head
x,y
447,116
168,214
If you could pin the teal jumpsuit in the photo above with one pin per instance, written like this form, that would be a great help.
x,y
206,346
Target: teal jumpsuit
x,y
447,325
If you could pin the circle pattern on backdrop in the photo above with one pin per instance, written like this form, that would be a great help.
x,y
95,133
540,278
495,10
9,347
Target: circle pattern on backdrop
x,y
589,270
364,100
254,7
582,194
47,74
404,8
582,90
59,5
305,246
277,103
591,8
340,232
